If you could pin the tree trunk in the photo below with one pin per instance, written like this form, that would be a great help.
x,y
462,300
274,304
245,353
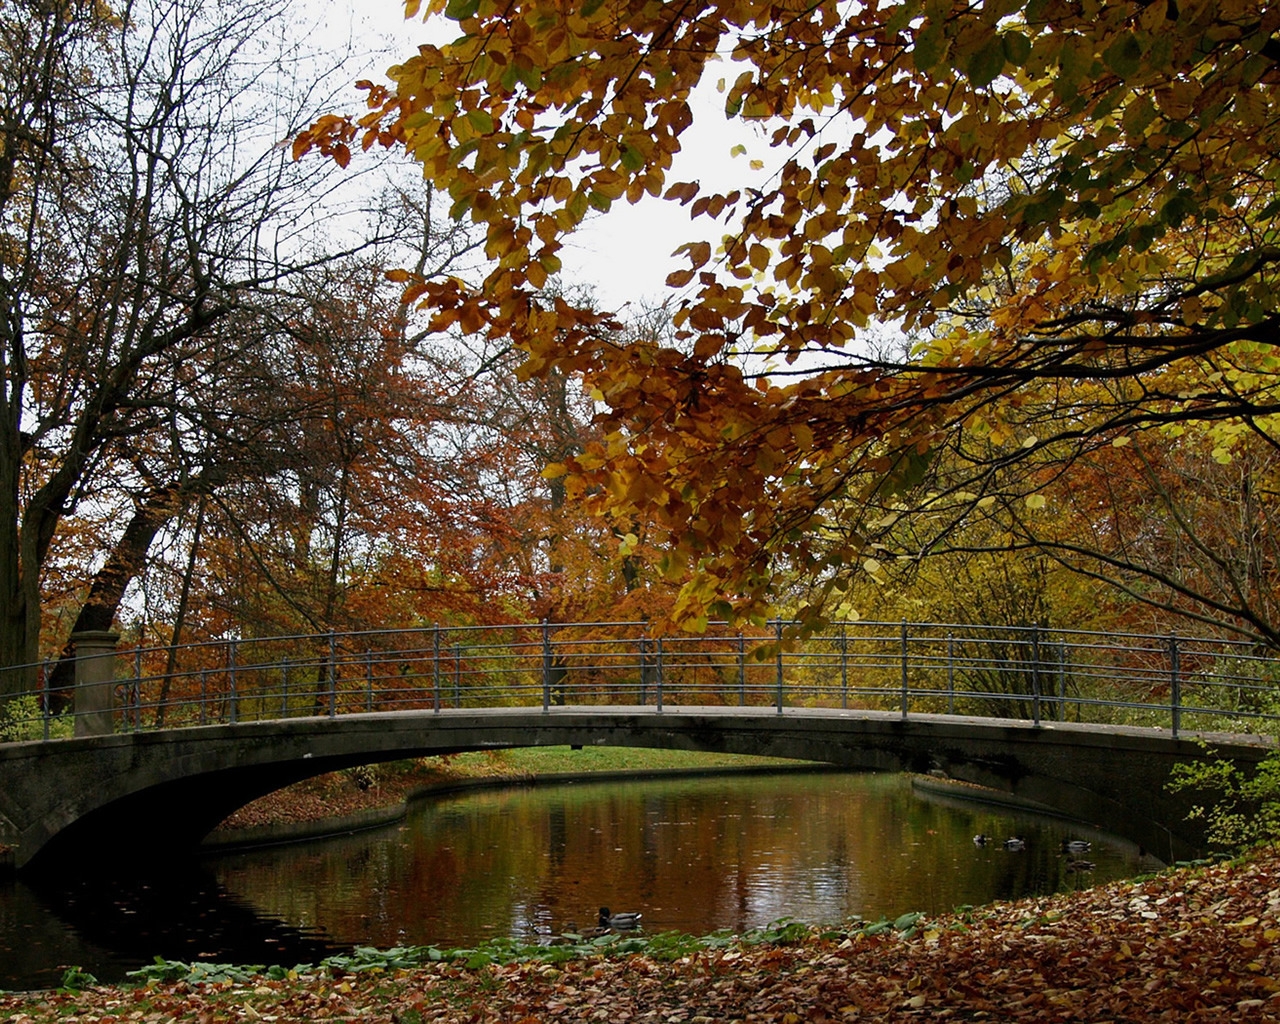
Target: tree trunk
x,y
107,590
13,605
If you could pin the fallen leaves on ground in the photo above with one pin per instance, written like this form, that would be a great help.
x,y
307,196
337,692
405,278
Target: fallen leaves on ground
x,y
1197,944
338,794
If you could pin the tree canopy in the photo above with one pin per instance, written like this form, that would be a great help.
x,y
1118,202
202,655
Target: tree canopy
x,y
1061,212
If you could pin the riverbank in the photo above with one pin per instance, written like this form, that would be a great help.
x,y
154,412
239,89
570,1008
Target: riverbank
x,y
377,795
1194,944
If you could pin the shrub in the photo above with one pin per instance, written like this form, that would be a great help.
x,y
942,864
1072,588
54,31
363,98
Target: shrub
x,y
1247,809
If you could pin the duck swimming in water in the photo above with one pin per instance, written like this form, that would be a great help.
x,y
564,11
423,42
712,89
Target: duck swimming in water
x,y
981,840
1015,843
622,921
1076,846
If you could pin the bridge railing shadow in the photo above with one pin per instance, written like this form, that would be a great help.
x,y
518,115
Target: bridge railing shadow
x,y
1025,673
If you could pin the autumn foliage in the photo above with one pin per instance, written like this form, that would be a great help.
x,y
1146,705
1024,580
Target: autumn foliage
x,y
995,235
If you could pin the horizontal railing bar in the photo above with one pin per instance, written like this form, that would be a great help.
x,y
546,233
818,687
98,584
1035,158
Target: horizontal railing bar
x,y
1021,672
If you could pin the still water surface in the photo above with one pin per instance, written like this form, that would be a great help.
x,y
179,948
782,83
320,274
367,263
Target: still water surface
x,y
692,854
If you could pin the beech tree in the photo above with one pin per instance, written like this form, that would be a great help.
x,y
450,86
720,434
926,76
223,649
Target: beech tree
x,y
1167,528
1182,524
145,205
1082,195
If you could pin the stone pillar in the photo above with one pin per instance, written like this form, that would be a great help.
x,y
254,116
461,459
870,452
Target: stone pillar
x,y
95,679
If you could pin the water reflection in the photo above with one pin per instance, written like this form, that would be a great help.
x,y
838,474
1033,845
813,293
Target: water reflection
x,y
734,852
692,854
110,923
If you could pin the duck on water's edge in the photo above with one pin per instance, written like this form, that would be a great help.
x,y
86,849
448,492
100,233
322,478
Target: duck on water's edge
x,y
1012,843
621,921
606,924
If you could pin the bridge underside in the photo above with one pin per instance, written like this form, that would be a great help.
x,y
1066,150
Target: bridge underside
x,y
150,795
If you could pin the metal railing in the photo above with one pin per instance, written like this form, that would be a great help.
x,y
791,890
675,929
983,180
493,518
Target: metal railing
x,y
1032,674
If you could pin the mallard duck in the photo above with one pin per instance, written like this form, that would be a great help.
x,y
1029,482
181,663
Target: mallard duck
x,y
1076,846
572,934
619,921
1015,843
1080,866
981,840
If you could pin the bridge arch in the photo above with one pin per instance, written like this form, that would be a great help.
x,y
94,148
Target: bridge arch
x,y
153,793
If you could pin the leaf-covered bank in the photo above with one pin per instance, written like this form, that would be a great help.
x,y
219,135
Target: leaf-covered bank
x,y
341,794
1195,944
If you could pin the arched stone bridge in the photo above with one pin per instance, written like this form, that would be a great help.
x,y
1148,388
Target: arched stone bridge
x,y
150,794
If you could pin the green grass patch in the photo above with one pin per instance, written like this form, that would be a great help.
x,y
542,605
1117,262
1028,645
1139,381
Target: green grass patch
x,y
563,760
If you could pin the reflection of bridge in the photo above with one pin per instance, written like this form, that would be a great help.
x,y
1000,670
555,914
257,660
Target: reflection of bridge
x,y
888,700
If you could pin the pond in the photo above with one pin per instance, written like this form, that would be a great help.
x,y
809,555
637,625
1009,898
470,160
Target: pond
x,y
691,854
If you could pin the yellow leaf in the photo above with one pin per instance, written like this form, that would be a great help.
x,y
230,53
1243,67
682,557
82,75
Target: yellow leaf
x,y
1035,501
554,470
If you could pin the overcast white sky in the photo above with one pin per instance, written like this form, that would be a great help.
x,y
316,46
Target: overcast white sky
x,y
624,255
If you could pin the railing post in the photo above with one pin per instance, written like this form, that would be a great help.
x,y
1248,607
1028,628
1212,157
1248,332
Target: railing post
x,y
742,671
1175,684
284,688
44,698
435,667
233,709
644,670
1035,675
368,679
204,696
135,690
778,658
661,673
546,666
457,675
951,674
1062,680
333,675
844,665
905,682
